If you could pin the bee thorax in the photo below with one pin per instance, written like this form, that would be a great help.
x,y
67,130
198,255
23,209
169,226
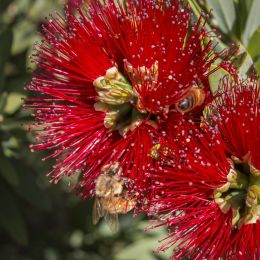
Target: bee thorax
x,y
107,185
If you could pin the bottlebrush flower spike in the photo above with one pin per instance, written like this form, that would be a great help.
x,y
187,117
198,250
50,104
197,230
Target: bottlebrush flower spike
x,y
106,77
235,113
208,192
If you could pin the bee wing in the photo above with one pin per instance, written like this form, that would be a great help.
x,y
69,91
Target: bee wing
x,y
112,221
97,211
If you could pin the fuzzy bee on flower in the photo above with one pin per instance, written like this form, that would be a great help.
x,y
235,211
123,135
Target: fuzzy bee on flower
x,y
111,197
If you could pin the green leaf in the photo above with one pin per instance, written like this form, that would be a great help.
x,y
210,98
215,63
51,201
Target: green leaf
x,y
39,9
253,22
215,77
143,248
242,10
14,102
28,188
195,7
253,50
24,36
11,219
16,83
3,100
6,38
253,46
248,4
257,66
7,171
243,62
219,45
224,12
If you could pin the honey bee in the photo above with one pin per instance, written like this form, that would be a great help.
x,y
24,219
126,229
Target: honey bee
x,y
194,98
111,199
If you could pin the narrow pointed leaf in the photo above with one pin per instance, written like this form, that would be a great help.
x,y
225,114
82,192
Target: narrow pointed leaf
x,y
253,46
253,22
224,12
243,62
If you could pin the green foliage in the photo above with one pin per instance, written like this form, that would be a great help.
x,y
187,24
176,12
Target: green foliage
x,y
244,62
253,21
224,12
215,77
39,221
238,23
11,219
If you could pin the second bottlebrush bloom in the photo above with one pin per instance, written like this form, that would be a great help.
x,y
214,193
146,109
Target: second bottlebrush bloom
x,y
209,191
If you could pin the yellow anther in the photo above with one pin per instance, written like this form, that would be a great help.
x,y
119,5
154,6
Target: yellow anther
x,y
113,88
224,187
253,195
232,176
254,171
241,192
235,216
155,151
110,119
112,73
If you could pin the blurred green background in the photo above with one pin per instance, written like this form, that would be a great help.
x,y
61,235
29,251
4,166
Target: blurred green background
x,y
47,222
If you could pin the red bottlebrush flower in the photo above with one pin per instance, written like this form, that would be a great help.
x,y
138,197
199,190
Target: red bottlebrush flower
x,y
235,113
208,193
106,77
178,62
72,4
